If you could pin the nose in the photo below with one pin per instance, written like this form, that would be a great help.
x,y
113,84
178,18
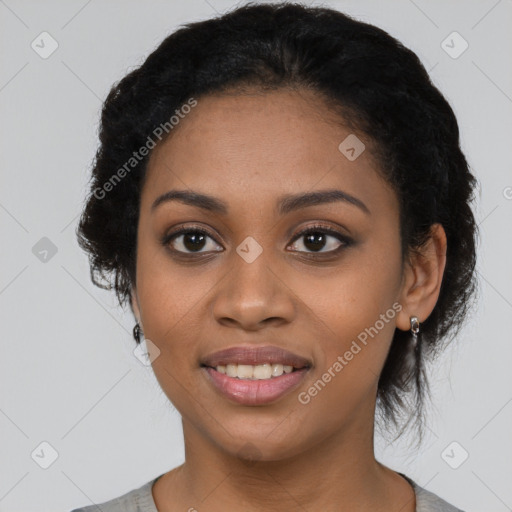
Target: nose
x,y
253,296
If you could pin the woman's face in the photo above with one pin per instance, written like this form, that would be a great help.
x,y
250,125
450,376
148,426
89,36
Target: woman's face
x,y
253,282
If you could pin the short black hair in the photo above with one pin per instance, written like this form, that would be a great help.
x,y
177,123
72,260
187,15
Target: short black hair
x,y
376,84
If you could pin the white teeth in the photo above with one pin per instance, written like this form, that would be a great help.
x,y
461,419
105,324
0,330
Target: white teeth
x,y
245,371
254,372
232,370
262,371
277,369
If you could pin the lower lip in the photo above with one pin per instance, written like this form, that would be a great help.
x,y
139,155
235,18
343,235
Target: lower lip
x,y
255,392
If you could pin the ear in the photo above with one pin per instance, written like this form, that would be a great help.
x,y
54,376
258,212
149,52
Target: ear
x,y
134,304
423,275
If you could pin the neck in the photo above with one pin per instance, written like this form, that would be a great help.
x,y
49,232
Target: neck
x,y
339,469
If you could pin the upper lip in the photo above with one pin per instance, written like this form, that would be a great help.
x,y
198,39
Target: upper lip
x,y
255,356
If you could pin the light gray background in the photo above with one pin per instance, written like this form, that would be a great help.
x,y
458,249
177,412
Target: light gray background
x,y
67,372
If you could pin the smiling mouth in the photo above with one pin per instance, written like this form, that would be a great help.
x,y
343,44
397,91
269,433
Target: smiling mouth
x,y
255,385
255,372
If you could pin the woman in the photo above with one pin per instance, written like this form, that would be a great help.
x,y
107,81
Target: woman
x,y
280,196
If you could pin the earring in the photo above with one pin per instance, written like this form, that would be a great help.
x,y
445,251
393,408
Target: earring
x,y
137,332
415,329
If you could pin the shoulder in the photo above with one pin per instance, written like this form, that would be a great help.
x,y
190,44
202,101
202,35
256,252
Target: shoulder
x,y
427,501
136,500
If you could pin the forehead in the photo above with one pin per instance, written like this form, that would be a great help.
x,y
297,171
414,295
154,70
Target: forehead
x,y
260,145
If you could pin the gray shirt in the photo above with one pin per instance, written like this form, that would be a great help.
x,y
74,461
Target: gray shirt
x,y
141,500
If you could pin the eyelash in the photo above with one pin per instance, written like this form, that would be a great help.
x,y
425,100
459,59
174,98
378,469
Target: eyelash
x,y
316,228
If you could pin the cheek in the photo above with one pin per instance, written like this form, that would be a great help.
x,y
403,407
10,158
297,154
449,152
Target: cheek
x,y
354,329
170,300
353,312
351,297
170,296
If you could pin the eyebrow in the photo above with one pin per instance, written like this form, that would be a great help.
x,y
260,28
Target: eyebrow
x,y
286,204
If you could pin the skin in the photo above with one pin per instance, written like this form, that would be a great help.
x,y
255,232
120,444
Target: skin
x,y
248,150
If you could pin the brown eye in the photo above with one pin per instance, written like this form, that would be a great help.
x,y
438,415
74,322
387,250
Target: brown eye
x,y
317,238
190,241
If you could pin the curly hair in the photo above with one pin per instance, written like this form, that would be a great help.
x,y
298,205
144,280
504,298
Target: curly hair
x,y
371,80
